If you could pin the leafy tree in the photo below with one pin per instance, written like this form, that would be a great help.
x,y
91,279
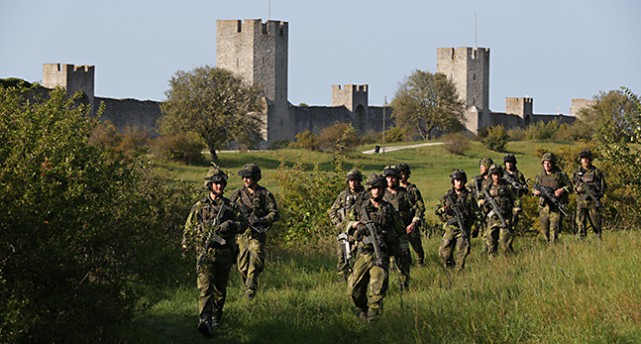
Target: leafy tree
x,y
81,229
214,103
426,101
609,108
496,138
338,138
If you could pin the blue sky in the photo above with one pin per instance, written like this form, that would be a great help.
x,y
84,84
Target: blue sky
x,y
551,50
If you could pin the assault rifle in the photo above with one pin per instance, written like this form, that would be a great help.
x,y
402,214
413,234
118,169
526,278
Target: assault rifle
x,y
496,210
374,239
458,216
548,195
346,248
251,218
350,200
212,228
516,184
589,192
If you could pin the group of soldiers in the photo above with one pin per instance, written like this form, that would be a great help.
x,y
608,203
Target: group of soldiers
x,y
379,222
224,231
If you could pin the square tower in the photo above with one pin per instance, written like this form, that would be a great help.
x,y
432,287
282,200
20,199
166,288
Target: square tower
x,y
354,98
469,69
257,52
72,78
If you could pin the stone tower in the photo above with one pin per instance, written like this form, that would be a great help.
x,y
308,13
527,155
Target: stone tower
x,y
355,99
72,78
469,69
521,107
257,52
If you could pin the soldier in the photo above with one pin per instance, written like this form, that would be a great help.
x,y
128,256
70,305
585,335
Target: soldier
x,y
515,178
211,227
416,201
558,187
589,184
476,185
344,209
378,234
261,211
398,197
499,201
458,210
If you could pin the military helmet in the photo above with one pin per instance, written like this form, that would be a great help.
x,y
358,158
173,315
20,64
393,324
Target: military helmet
x,y
375,180
586,153
391,170
405,168
459,174
548,157
354,175
495,168
250,170
215,175
509,157
487,162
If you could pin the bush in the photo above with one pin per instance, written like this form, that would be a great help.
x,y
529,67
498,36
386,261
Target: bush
x,y
516,134
455,143
339,137
396,134
576,131
305,199
305,140
82,230
541,130
182,147
496,138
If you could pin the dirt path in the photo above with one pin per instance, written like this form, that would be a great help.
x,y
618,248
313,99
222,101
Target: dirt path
x,y
395,148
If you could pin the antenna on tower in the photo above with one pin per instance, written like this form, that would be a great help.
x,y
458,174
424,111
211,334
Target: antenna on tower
x,y
475,34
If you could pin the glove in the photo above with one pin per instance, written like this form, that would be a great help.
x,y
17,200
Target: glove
x,y
252,218
360,231
225,226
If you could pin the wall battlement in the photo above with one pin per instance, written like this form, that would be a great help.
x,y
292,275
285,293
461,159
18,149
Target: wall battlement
x,y
522,107
70,77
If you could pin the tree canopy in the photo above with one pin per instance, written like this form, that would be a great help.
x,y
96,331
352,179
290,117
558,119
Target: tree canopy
x,y
215,104
426,101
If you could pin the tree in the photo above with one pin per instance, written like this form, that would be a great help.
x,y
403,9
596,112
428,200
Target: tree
x,y
215,104
609,108
426,101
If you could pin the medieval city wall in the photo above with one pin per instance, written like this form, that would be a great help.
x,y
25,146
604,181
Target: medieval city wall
x,y
123,113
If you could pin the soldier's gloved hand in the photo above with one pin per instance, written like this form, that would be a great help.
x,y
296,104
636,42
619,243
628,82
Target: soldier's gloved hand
x,y
225,226
252,218
360,232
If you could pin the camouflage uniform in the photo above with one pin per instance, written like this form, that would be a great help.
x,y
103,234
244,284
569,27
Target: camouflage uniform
x,y
369,279
509,203
418,206
454,240
590,186
260,206
475,186
211,231
345,209
399,198
550,217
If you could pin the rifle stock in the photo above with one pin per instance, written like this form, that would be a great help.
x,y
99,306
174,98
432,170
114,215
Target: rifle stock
x,y
549,196
374,239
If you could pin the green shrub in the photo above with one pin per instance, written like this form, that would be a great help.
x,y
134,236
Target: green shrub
x,y
339,137
541,130
396,134
496,138
516,134
82,230
305,140
455,143
182,147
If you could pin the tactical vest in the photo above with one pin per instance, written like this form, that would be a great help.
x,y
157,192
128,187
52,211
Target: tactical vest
x,y
400,201
501,193
463,202
551,180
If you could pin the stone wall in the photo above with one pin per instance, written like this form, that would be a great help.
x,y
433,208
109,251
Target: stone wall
x,y
141,114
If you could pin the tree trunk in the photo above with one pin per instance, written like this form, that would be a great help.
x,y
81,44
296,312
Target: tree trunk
x,y
212,152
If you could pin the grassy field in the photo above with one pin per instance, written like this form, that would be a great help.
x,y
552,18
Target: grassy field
x,y
573,292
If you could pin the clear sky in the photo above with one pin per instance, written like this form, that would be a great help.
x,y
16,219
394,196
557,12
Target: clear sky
x,y
551,50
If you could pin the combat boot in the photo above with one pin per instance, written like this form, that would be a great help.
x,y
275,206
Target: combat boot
x,y
204,326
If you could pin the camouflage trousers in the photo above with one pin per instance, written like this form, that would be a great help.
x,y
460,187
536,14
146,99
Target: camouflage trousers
x,y
368,284
454,249
550,223
588,217
251,259
212,278
496,235
417,244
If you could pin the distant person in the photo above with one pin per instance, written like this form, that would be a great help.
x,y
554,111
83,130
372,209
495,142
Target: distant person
x,y
344,209
499,201
211,227
477,184
378,234
557,185
458,210
398,197
259,206
589,185
416,201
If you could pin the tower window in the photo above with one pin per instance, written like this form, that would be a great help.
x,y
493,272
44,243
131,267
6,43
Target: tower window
x,y
473,76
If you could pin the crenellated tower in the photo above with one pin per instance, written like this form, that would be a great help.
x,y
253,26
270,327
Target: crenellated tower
x,y
72,78
257,52
355,99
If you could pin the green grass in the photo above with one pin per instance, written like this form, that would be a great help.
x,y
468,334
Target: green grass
x,y
573,292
